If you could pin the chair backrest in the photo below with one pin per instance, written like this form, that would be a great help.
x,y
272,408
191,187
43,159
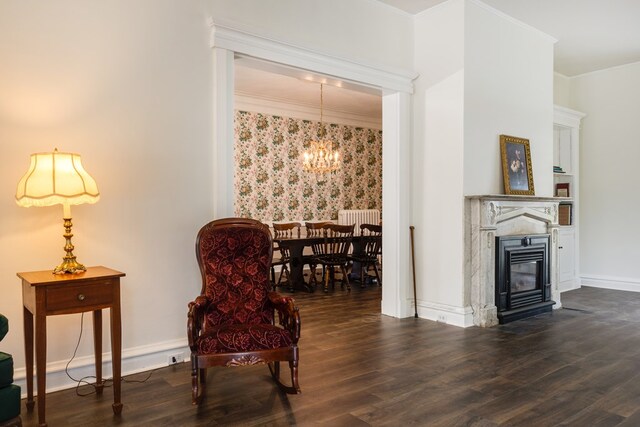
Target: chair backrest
x,y
316,229
234,255
371,240
337,240
370,230
286,229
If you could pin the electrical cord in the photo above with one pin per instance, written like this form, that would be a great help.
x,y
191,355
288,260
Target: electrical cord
x,y
106,383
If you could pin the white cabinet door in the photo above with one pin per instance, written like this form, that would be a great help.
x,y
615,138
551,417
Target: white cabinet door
x,y
566,259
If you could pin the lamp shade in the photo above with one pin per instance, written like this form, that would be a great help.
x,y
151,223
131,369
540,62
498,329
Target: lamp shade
x,y
56,178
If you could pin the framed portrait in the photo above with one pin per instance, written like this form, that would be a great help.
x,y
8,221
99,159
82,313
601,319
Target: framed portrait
x,y
516,165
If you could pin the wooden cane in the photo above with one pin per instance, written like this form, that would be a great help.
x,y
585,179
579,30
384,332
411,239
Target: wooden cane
x,y
413,265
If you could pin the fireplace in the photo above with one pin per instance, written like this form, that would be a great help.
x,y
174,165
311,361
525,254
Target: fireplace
x,y
527,226
522,284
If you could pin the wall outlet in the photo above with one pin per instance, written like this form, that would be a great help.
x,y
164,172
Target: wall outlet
x,y
442,318
174,359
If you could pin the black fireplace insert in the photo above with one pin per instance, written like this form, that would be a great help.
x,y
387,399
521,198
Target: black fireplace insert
x,y
523,285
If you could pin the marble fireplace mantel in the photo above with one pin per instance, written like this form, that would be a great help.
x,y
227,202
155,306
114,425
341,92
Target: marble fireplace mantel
x,y
490,216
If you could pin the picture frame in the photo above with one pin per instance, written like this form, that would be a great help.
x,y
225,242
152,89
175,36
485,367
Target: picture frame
x,y
517,171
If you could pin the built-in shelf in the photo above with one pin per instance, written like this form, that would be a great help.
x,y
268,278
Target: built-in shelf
x,y
566,136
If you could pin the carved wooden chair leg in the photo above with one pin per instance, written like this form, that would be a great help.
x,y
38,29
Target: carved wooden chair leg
x,y
195,395
287,277
345,278
375,269
326,275
363,278
283,271
274,368
313,281
293,366
333,278
273,278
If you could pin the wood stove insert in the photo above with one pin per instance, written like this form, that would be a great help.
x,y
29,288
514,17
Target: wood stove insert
x,y
523,285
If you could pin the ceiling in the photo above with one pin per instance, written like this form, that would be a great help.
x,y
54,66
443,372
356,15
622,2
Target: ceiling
x,y
592,34
274,83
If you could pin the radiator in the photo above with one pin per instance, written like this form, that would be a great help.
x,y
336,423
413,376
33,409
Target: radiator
x,y
357,217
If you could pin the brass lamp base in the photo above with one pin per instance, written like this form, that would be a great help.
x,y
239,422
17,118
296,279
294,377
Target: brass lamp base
x,y
69,264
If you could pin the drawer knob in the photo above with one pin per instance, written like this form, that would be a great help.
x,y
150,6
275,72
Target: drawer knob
x,y
81,297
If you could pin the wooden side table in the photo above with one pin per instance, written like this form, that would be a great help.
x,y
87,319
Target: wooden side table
x,y
45,294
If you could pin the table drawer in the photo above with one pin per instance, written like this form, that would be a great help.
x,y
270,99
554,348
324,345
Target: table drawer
x,y
68,298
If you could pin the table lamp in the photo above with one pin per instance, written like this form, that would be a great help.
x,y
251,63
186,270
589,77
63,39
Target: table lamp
x,y
58,178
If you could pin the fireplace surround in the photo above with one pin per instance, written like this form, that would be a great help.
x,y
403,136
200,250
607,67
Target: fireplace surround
x,y
488,217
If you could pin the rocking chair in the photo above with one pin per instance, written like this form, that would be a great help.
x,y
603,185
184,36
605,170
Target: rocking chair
x,y
232,322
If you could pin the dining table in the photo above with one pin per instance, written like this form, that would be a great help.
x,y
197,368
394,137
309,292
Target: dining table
x,y
296,246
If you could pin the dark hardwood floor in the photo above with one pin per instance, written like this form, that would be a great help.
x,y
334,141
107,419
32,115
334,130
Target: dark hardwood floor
x,y
579,366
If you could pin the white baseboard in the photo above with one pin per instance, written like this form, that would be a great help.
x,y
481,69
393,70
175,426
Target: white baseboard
x,y
571,287
611,282
443,313
134,360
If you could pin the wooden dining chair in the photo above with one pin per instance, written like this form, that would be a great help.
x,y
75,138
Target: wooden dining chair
x,y
313,229
316,229
370,248
333,252
281,254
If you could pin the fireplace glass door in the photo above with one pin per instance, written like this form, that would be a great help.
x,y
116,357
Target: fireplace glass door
x,y
524,277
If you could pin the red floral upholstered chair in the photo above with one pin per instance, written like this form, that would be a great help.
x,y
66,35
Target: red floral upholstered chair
x,y
233,321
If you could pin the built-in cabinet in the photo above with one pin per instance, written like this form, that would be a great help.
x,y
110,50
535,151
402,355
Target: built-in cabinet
x,y
566,182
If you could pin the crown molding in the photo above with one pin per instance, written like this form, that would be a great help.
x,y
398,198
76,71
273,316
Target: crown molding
x,y
567,117
276,107
245,43
513,20
603,70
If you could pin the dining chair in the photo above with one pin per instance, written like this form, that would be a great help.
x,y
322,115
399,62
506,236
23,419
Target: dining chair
x,y
313,229
370,245
332,252
281,254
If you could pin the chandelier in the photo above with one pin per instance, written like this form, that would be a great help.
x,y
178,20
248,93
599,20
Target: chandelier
x,y
321,157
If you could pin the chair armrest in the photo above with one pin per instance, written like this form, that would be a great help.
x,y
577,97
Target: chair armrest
x,y
195,318
288,314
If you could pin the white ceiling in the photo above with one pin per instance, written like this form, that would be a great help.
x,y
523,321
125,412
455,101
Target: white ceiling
x,y
592,34
273,83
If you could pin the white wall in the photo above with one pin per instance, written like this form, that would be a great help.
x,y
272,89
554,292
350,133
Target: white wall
x,y
357,30
561,90
508,90
128,85
482,74
609,202
437,154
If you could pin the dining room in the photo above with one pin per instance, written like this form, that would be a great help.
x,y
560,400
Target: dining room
x,y
307,155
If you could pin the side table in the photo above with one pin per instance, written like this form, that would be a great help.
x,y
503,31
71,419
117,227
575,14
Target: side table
x,y
46,294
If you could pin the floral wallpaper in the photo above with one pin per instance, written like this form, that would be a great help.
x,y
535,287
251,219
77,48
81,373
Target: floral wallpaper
x,y
270,183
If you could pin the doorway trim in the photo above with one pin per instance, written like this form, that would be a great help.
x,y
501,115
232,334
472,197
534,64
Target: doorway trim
x,y
396,87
